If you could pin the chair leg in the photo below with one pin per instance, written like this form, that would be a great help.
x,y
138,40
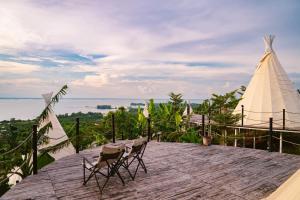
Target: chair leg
x,y
101,189
119,175
90,176
137,168
98,183
143,165
127,168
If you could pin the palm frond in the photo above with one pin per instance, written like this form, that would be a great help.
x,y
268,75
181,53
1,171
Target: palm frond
x,y
55,99
55,148
41,134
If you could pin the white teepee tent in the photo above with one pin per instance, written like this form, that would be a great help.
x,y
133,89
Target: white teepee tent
x,y
56,134
188,110
269,92
145,111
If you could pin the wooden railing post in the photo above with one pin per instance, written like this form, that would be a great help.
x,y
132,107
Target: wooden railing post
x,y
77,135
34,149
149,128
270,134
113,128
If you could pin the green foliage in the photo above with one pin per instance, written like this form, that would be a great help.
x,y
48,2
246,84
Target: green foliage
x,y
191,136
220,107
176,101
44,159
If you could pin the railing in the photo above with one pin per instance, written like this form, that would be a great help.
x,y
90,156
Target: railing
x,y
34,136
283,119
31,136
237,129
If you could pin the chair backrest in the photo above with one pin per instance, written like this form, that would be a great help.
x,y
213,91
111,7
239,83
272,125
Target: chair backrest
x,y
139,145
111,152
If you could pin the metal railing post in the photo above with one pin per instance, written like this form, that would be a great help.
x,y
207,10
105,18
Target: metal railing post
x,y
77,135
113,128
254,140
242,115
283,128
270,134
283,119
34,149
235,139
203,125
149,128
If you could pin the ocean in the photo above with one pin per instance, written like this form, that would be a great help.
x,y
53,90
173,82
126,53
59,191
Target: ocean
x,y
30,108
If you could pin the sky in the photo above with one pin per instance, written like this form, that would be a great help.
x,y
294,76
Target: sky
x,y
141,48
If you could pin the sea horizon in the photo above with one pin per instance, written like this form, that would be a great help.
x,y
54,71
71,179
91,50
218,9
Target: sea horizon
x,y
27,108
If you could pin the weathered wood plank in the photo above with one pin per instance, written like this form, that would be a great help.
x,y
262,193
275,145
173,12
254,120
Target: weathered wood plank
x,y
175,171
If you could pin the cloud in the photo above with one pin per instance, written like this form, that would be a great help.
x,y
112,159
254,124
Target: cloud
x,y
17,68
139,49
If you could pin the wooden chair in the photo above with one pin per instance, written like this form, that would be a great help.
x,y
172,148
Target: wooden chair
x,y
110,160
135,153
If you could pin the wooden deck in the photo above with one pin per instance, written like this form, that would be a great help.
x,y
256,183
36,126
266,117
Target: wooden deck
x,y
175,171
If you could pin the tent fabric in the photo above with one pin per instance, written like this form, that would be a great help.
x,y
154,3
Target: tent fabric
x,y
145,111
185,112
269,92
13,177
56,134
288,190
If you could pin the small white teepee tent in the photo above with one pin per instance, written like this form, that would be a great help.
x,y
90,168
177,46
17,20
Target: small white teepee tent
x,y
145,111
188,110
56,134
269,92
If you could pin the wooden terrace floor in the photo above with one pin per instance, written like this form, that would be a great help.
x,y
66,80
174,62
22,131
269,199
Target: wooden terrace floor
x,y
175,171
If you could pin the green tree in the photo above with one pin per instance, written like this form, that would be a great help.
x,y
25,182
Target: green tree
x,y
176,101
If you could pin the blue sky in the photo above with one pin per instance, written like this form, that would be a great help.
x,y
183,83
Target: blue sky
x,y
141,49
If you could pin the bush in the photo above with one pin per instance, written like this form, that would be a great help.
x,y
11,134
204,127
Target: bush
x,y
190,137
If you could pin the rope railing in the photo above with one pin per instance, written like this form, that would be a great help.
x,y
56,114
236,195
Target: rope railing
x,y
12,173
17,147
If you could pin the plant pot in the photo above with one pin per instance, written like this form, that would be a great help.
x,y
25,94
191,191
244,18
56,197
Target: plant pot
x,y
207,140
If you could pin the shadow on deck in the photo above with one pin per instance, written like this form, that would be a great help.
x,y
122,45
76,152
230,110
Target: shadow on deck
x,y
175,171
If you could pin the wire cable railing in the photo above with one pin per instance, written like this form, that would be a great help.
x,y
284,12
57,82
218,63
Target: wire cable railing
x,y
289,142
262,111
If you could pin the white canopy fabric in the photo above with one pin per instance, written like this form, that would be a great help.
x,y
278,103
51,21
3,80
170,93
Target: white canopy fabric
x,y
145,111
269,92
56,134
13,177
288,190
185,113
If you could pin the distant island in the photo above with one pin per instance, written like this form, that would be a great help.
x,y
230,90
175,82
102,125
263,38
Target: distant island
x,y
137,104
104,107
